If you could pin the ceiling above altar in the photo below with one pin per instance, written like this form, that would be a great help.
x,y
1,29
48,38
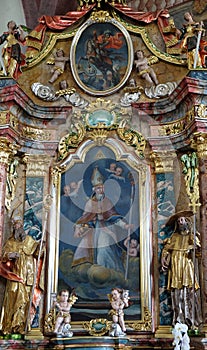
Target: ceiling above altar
x,y
34,9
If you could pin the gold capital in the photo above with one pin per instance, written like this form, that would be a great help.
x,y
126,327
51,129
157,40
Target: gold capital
x,y
7,149
37,165
163,161
199,143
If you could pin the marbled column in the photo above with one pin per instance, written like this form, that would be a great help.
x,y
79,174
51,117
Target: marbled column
x,y
201,145
165,206
6,150
37,181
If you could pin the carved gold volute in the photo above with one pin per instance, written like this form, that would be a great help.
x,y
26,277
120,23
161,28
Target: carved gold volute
x,y
71,140
132,138
146,324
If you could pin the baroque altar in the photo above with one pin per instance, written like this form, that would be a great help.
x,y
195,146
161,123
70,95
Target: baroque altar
x,y
113,99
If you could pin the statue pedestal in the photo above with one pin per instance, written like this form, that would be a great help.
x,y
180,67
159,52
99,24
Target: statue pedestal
x,y
34,334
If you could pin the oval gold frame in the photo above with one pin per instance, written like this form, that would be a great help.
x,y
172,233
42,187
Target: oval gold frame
x,y
75,50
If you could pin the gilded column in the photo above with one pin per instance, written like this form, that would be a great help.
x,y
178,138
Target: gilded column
x,y
7,149
164,165
53,254
200,144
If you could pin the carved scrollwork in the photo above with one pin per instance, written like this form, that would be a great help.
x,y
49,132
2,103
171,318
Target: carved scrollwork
x,y
132,138
36,134
49,322
145,324
55,172
173,128
71,140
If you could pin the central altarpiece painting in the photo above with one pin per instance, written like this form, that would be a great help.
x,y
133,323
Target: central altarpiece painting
x,y
94,260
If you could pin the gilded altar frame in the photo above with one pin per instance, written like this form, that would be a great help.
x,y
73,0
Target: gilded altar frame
x,y
101,147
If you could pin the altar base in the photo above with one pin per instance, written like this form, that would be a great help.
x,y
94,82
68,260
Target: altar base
x,y
97,343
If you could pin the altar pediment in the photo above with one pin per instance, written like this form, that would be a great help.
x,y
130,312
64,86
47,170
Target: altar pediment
x,y
89,67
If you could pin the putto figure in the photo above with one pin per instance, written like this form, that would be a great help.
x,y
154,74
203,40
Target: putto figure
x,y
63,318
142,65
59,62
119,299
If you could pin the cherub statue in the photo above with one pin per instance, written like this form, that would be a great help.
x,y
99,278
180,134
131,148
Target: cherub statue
x,y
119,299
58,320
142,65
58,61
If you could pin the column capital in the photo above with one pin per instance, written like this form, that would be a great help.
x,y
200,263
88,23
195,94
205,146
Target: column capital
x,y
37,164
163,161
199,143
7,149
56,173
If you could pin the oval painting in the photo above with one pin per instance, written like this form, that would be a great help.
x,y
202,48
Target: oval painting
x,y
101,57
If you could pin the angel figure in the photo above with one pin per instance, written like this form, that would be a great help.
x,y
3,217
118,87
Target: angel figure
x,y
119,299
142,65
58,320
59,62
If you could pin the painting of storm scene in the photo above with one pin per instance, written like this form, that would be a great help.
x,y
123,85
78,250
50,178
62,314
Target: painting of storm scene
x,y
101,57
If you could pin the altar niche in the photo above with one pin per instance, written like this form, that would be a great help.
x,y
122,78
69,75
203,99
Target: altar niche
x,y
103,239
